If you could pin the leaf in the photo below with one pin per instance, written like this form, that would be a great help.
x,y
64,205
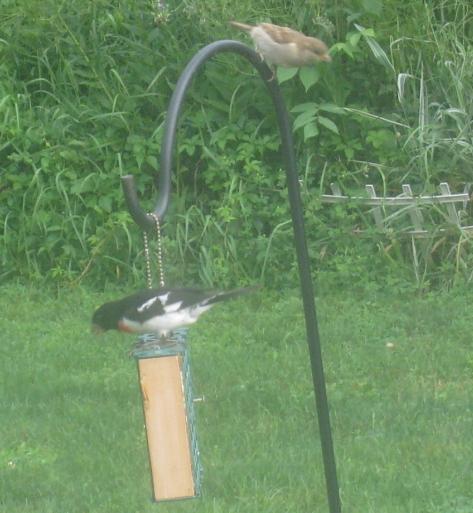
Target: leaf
x,y
303,119
105,202
309,76
285,74
378,52
310,130
345,47
152,161
304,107
328,123
349,152
369,32
354,38
341,47
401,81
331,107
382,138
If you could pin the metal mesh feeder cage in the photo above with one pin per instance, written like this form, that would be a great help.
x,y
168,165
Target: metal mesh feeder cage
x,y
168,406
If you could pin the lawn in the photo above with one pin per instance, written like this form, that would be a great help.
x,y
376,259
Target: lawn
x,y
399,378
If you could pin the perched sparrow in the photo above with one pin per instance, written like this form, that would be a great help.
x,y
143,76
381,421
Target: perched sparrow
x,y
159,310
282,46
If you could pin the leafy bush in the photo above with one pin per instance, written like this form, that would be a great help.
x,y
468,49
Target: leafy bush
x,y
84,92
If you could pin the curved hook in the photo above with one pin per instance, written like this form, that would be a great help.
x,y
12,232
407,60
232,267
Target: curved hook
x,y
146,222
163,181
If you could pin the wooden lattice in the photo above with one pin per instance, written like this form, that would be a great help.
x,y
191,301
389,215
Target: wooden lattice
x,y
445,211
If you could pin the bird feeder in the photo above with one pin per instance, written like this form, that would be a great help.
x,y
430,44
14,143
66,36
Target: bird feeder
x,y
168,406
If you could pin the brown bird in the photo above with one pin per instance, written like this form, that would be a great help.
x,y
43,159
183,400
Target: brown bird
x,y
285,47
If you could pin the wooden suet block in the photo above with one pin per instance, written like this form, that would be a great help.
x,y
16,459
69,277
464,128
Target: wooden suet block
x,y
169,441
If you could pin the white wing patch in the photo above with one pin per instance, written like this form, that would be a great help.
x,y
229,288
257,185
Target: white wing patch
x,y
148,304
164,298
173,307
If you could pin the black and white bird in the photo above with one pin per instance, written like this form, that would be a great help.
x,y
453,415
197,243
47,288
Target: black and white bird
x,y
159,310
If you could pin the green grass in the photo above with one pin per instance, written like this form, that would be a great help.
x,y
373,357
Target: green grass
x,y
399,377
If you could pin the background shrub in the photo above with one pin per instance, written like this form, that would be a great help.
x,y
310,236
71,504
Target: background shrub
x,y
84,89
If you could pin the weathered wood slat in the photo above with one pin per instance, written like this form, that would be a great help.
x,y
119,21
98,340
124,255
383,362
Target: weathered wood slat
x,y
396,200
387,210
414,213
377,213
452,211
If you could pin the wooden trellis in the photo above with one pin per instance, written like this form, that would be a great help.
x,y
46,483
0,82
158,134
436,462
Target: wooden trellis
x,y
389,212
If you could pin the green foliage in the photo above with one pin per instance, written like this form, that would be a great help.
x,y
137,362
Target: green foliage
x,y
310,118
84,92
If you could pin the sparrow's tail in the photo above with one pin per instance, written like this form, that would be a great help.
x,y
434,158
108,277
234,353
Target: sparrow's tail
x,y
241,26
230,294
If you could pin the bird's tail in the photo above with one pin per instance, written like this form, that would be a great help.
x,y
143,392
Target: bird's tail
x,y
241,26
230,294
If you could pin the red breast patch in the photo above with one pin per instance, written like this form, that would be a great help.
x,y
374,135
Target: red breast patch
x,y
123,326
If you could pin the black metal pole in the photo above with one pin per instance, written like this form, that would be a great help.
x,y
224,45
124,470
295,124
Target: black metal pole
x,y
146,222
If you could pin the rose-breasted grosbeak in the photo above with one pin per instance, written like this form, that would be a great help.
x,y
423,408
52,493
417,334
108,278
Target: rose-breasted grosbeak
x,y
285,47
159,310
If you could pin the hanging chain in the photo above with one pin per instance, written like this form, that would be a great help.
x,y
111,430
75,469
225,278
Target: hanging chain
x,y
149,279
160,250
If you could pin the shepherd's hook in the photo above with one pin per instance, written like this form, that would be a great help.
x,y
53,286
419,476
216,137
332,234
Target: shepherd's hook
x,y
163,184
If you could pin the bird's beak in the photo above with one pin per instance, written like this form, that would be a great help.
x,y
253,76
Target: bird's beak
x,y
96,329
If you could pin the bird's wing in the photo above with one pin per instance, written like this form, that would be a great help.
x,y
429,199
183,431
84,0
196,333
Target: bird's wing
x,y
158,302
281,35
314,45
145,304
286,35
